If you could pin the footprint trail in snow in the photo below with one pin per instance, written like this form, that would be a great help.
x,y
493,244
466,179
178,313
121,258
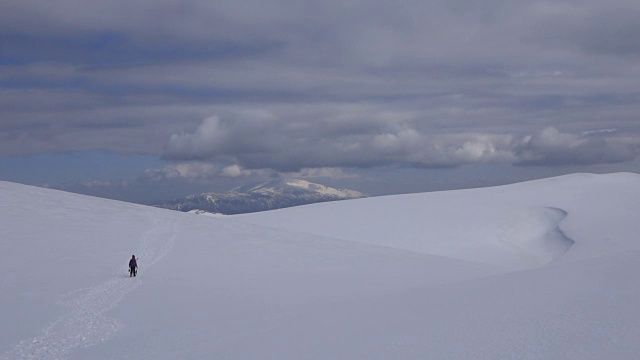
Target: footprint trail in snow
x,y
85,324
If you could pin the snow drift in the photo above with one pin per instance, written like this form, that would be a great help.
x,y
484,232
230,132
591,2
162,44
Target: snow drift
x,y
537,270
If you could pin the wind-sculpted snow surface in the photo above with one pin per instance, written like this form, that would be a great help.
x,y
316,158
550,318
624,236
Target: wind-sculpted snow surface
x,y
538,270
534,235
516,226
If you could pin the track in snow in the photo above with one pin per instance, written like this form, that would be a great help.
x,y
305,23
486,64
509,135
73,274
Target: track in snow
x,y
85,323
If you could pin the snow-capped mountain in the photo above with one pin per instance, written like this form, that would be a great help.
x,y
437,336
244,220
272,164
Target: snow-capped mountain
x,y
265,196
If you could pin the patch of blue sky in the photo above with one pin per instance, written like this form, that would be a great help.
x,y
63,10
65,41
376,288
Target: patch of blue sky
x,y
72,168
112,48
4,61
30,83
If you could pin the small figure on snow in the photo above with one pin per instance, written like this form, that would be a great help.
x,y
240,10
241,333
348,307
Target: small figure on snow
x,y
133,266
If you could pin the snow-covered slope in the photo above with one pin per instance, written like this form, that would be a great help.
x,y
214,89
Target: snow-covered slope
x,y
537,270
519,225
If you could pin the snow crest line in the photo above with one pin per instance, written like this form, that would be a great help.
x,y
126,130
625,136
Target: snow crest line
x,y
534,235
85,324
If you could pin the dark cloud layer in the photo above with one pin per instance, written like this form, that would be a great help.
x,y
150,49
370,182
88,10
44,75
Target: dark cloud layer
x,y
550,147
301,85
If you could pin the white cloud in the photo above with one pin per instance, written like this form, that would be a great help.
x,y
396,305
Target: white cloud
x,y
269,142
473,151
234,171
552,147
208,138
387,143
325,172
195,170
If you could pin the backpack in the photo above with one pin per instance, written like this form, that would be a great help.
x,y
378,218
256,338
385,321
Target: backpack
x,y
133,263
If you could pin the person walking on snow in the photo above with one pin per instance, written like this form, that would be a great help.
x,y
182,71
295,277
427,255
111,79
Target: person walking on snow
x,y
133,266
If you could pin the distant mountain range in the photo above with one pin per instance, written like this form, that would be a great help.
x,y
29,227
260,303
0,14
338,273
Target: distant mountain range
x,y
266,196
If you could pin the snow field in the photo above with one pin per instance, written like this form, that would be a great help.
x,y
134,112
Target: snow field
x,y
537,270
55,262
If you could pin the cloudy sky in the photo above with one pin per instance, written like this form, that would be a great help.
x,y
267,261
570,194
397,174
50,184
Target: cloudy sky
x,y
150,100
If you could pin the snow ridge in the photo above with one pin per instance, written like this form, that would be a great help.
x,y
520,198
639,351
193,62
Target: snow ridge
x,y
534,235
85,324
